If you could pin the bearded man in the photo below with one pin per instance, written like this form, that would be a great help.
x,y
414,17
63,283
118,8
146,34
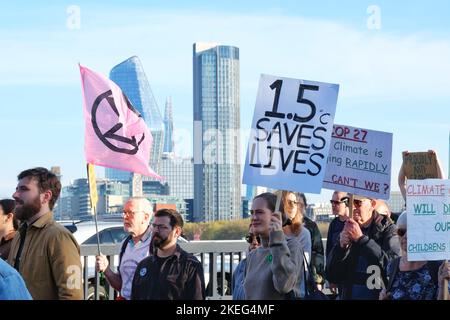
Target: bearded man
x,y
44,252
170,273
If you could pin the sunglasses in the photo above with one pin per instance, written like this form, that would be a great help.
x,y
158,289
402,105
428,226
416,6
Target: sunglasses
x,y
358,203
401,232
336,203
249,238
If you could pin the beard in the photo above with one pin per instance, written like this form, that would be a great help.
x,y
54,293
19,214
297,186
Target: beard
x,y
159,242
25,211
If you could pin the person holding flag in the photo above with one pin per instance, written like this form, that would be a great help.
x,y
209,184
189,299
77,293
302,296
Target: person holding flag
x,y
137,214
116,136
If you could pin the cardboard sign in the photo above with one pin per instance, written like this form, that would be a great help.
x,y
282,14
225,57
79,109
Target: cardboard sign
x,y
428,210
420,165
291,132
359,162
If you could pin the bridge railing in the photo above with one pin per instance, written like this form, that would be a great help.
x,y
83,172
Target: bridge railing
x,y
224,255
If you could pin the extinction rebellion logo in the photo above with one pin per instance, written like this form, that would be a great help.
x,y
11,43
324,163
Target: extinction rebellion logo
x,y
128,145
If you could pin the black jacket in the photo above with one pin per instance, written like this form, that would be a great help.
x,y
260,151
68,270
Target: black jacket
x,y
378,247
180,277
317,257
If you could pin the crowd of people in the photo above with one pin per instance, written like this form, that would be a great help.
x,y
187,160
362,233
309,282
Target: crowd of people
x,y
364,257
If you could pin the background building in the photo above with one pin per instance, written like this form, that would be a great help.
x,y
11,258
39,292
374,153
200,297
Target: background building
x,y
217,174
75,203
168,127
396,202
178,173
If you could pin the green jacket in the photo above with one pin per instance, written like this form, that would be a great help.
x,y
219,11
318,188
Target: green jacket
x,y
50,261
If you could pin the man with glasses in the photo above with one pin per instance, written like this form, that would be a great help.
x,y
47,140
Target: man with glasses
x,y
339,207
137,214
358,261
170,273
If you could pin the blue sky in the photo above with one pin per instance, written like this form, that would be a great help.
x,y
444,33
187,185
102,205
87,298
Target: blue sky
x,y
392,79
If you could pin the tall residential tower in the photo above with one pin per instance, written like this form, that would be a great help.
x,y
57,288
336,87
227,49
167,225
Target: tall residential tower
x,y
217,173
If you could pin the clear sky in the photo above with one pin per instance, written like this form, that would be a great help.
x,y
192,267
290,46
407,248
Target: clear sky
x,y
393,72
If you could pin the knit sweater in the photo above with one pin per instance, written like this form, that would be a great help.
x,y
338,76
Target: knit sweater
x,y
274,269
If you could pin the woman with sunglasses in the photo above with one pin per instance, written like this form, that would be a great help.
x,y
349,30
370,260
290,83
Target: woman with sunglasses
x,y
273,269
237,282
414,280
292,208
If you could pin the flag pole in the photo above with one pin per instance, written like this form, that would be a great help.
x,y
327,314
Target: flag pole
x,y
350,206
93,198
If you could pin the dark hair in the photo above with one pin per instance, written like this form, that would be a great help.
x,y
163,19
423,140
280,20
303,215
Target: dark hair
x,y
46,180
302,195
175,217
270,199
9,206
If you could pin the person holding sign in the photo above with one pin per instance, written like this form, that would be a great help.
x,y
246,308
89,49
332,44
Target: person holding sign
x,y
358,261
290,208
413,280
273,270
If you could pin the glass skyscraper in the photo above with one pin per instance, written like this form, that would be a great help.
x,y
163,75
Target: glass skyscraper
x,y
168,127
217,173
129,75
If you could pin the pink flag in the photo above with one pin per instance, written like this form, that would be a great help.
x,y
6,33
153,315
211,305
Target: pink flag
x,y
116,135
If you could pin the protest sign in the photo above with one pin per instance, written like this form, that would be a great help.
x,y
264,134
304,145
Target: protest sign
x,y
290,136
359,162
428,210
420,165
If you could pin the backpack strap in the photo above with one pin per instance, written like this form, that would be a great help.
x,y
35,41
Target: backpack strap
x,y
392,273
122,250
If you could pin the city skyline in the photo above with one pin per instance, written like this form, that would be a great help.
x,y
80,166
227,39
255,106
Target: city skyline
x,y
393,78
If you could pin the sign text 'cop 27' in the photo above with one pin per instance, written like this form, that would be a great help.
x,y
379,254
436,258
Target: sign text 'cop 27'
x,y
290,136
359,162
428,210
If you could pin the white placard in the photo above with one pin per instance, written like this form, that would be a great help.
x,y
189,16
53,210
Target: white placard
x,y
428,210
291,132
359,162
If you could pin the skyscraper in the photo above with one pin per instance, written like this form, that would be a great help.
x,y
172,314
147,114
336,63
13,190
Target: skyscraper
x,y
129,75
217,174
168,127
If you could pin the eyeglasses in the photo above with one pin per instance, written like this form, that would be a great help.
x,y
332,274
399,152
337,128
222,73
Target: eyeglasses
x,y
336,203
160,226
129,213
292,202
250,237
358,203
401,232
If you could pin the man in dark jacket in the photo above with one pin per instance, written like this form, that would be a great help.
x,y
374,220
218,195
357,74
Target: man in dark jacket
x,y
170,273
365,247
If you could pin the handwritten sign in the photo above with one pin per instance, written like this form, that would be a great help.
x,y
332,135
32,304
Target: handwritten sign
x,y
291,132
359,162
428,210
420,165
